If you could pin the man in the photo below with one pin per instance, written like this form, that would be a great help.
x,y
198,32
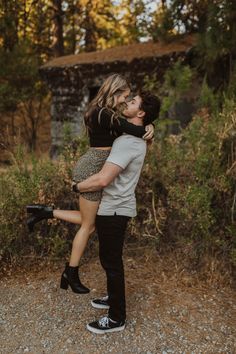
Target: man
x,y
118,179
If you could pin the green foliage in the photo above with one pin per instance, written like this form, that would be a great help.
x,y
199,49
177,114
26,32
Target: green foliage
x,y
193,180
217,37
186,195
33,180
162,24
22,94
19,77
177,81
188,186
29,180
208,98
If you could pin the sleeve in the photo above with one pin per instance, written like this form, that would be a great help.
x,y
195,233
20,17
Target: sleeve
x,y
120,125
123,152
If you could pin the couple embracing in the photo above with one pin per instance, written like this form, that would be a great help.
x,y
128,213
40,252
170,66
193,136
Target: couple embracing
x,y
105,178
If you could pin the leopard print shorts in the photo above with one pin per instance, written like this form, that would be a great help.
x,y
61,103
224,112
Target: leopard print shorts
x,y
89,164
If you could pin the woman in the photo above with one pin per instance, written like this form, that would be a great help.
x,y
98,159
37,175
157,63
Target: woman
x,y
103,124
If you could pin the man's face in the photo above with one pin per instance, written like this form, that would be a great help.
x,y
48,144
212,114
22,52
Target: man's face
x,y
133,107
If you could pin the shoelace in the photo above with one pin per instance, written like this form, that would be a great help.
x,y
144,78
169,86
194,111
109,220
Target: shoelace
x,y
104,322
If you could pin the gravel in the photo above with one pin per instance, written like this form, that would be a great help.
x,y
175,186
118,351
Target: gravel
x,y
163,315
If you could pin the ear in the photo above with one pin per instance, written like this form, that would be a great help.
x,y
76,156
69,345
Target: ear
x,y
141,114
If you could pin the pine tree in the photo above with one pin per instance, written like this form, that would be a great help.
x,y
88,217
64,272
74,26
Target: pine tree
x,y
9,22
161,25
133,20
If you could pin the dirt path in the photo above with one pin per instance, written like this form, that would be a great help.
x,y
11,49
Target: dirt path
x,y
163,316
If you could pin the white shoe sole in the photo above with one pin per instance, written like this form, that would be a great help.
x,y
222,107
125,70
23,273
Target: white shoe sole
x,y
102,331
97,306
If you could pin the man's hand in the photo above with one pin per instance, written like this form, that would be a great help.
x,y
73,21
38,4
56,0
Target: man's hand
x,y
100,180
149,132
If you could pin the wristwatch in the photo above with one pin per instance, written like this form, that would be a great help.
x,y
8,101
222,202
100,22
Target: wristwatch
x,y
75,188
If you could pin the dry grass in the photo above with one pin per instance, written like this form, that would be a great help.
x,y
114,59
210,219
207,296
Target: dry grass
x,y
172,267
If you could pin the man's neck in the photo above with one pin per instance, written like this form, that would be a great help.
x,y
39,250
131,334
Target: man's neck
x,y
135,120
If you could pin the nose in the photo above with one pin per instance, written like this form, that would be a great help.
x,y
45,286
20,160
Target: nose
x,y
128,99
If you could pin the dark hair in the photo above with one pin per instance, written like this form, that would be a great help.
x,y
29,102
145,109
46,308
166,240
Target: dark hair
x,y
150,105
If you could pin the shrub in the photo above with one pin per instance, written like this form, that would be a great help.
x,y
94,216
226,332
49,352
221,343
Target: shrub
x,y
191,178
30,180
186,195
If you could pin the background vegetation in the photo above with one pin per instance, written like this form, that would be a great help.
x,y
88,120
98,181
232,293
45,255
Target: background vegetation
x,y
187,194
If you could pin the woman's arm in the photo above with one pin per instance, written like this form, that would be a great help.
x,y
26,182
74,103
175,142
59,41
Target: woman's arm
x,y
120,125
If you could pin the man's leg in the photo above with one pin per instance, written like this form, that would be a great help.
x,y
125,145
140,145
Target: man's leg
x,y
111,232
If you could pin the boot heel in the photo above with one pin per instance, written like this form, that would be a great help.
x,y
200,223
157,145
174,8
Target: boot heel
x,y
30,225
64,283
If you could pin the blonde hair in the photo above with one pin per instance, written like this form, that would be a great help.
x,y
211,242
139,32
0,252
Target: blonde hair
x,y
112,88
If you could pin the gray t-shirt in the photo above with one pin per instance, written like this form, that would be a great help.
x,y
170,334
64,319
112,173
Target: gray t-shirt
x,y
127,152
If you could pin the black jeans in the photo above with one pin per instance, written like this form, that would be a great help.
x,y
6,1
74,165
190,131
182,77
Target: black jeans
x,y
111,232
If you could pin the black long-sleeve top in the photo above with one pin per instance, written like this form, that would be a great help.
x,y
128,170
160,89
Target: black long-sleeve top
x,y
104,130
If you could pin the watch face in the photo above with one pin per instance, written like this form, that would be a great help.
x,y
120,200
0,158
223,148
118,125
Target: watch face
x,y
74,188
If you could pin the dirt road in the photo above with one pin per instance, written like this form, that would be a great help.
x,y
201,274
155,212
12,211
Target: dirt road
x,y
163,315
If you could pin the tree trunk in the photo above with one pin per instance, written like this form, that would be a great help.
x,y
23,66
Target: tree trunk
x,y
58,43
90,29
163,4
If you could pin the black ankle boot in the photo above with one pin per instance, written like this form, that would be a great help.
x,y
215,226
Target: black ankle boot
x,y
35,208
70,277
43,212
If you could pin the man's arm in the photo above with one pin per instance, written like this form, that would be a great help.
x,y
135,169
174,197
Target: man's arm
x,y
101,179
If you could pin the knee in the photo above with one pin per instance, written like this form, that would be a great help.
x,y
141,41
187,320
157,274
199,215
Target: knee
x,y
88,228
91,229
110,263
104,261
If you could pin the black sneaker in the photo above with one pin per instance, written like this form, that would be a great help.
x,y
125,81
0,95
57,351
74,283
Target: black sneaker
x,y
105,325
100,303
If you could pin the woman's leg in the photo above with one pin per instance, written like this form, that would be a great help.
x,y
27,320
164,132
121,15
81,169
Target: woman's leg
x,y
39,212
88,210
72,216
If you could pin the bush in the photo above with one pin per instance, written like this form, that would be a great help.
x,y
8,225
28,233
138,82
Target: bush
x,y
30,180
186,195
188,187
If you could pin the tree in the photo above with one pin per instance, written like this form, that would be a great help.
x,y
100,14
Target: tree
x,y
9,22
217,38
213,22
189,16
73,17
21,91
161,26
57,28
133,20
100,24
89,26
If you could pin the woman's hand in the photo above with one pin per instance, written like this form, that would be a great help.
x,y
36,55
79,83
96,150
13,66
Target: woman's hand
x,y
149,132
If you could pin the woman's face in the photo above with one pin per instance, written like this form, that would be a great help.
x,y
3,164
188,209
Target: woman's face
x,y
122,97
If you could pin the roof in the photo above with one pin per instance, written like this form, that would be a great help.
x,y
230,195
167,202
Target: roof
x,y
124,53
